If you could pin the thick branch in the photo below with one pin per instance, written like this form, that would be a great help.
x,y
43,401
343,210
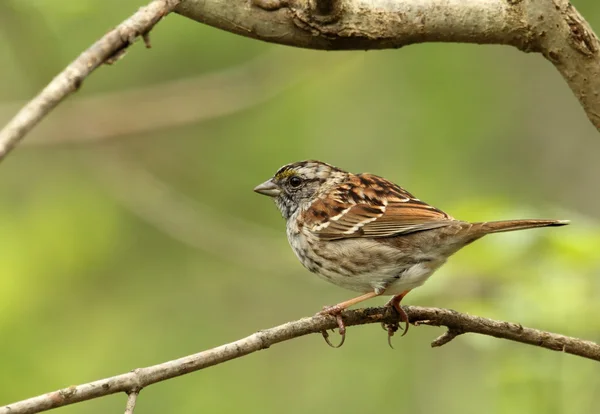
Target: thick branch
x,y
108,48
456,323
553,28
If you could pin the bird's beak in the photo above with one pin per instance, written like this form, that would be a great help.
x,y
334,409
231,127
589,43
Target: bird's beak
x,y
268,188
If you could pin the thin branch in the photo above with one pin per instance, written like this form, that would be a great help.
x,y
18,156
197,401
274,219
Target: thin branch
x,y
553,28
454,321
131,400
70,79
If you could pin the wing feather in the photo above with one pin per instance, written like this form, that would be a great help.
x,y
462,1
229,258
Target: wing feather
x,y
370,206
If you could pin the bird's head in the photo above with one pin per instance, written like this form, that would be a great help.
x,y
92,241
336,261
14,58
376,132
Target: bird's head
x,y
295,186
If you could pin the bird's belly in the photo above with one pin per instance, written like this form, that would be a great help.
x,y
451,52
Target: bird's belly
x,y
413,277
362,265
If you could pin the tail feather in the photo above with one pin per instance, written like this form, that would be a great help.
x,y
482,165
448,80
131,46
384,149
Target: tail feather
x,y
512,225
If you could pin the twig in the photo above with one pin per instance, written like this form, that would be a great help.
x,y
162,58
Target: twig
x,y
70,79
131,400
446,337
454,321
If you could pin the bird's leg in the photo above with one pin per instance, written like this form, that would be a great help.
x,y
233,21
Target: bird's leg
x,y
395,304
336,311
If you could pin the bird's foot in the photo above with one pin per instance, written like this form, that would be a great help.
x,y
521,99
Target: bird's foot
x,y
335,311
391,328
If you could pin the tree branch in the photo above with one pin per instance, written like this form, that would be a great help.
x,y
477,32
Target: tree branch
x,y
553,28
107,49
457,323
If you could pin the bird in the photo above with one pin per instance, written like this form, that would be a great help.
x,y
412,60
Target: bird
x,y
364,233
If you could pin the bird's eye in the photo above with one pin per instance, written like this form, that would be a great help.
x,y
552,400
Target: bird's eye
x,y
295,182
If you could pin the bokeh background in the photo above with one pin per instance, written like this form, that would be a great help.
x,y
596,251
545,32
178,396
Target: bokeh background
x,y
130,235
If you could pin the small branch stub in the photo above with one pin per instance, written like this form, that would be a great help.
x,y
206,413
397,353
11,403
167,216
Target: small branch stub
x,y
325,7
446,337
131,401
327,11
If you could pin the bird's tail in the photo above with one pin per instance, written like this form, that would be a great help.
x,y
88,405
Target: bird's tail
x,y
512,225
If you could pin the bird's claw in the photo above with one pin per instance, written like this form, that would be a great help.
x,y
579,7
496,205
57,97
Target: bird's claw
x,y
337,313
392,328
403,315
326,337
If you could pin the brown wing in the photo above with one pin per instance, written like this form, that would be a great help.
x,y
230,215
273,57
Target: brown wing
x,y
370,206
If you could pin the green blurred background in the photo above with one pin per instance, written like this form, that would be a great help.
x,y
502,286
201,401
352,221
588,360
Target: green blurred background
x,y
130,234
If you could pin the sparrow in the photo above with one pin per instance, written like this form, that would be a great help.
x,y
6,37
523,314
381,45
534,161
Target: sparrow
x,y
366,234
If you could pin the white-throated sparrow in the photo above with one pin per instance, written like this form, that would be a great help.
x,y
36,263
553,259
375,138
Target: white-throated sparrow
x,y
367,234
